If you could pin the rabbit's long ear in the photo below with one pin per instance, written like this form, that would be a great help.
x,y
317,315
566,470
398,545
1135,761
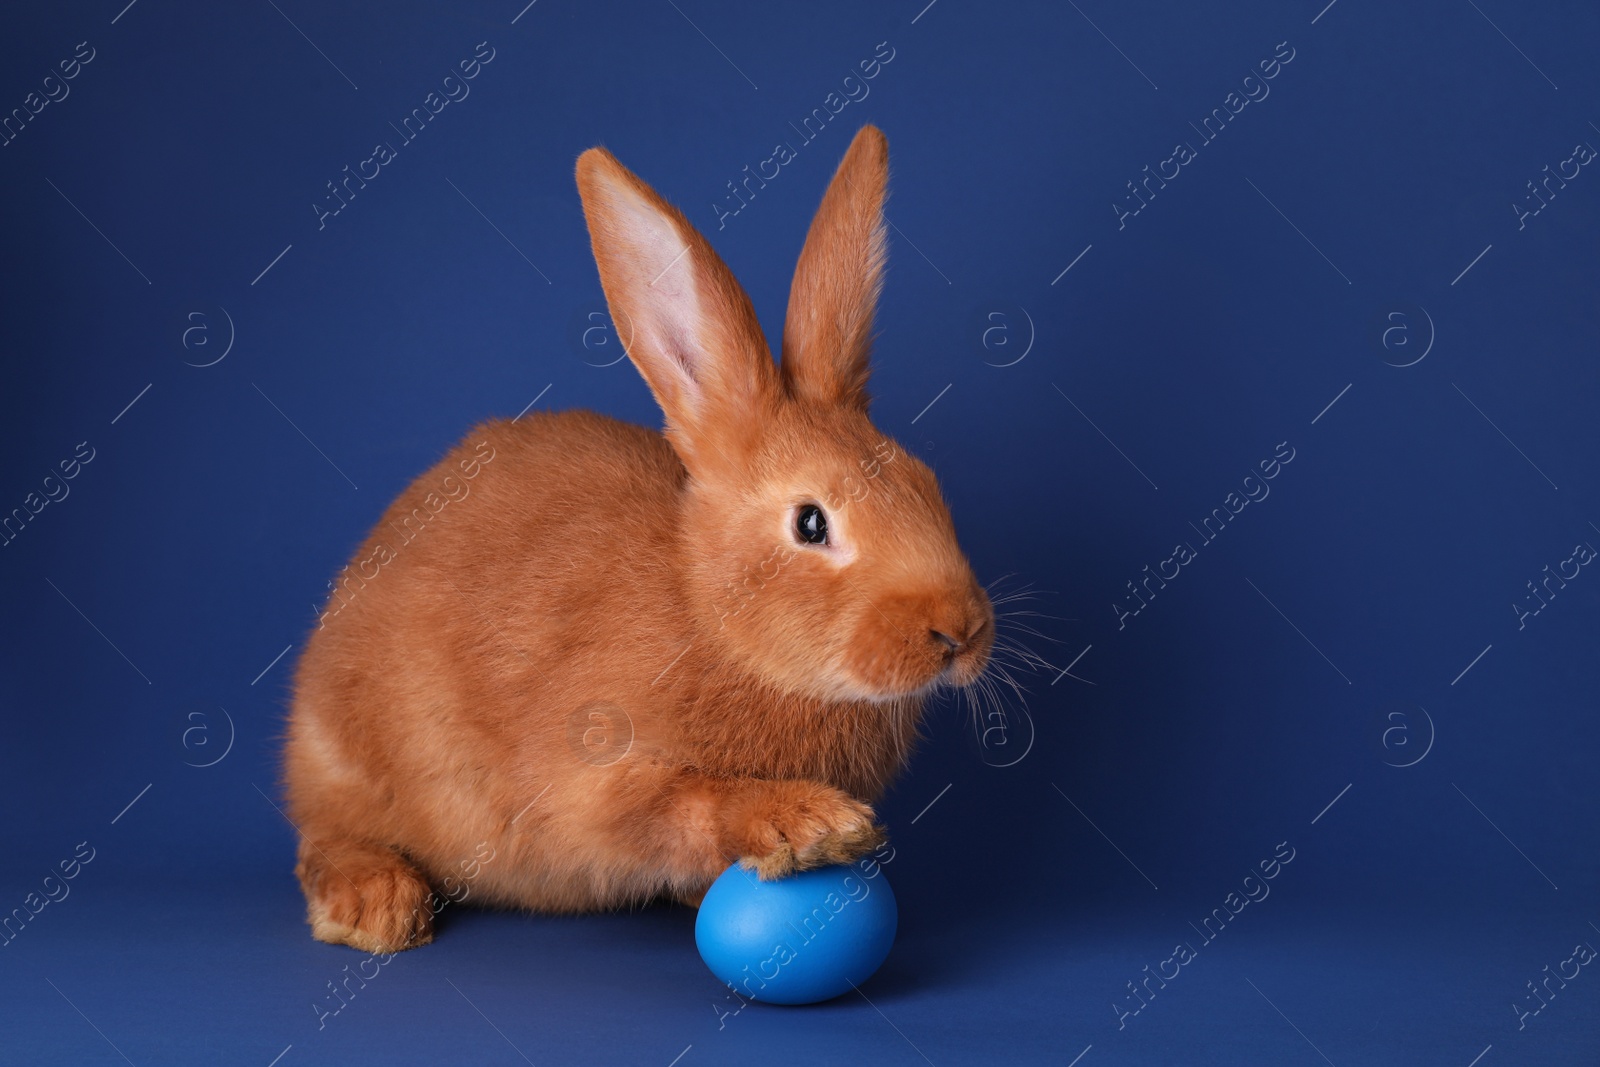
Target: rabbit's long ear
x,y
827,337
683,319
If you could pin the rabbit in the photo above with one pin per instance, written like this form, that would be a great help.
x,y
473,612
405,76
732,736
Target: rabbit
x,y
581,664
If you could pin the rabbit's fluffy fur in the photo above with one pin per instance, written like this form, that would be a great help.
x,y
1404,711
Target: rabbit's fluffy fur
x,y
614,666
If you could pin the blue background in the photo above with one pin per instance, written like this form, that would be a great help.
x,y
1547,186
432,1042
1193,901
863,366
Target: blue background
x,y
1443,857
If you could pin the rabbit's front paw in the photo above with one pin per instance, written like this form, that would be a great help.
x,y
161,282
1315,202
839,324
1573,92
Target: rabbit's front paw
x,y
794,826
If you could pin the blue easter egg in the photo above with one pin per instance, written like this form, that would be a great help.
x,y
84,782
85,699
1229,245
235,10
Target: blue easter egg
x,y
797,940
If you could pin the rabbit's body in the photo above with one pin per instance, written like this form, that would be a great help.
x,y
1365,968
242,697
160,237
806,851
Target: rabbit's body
x,y
495,658
580,663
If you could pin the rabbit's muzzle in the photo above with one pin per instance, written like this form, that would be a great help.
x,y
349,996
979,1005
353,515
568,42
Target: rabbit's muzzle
x,y
907,644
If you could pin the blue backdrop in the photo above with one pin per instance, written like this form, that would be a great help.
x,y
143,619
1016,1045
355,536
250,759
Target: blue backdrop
x,y
1258,341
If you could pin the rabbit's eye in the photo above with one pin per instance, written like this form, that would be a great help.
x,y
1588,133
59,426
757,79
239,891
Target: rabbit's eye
x,y
811,525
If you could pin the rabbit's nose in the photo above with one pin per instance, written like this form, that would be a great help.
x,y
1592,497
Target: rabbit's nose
x,y
956,638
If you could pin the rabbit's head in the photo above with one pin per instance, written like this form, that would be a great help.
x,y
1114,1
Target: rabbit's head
x,y
814,550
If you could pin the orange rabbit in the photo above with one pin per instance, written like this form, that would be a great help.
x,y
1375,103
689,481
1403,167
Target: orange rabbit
x,y
622,659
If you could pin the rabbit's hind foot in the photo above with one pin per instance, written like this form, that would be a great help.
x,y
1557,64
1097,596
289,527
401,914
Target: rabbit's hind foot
x,y
366,896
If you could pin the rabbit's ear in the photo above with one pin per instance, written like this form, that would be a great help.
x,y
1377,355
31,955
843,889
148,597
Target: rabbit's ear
x,y
827,338
683,319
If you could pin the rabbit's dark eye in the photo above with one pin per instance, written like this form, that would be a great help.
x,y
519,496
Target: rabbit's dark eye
x,y
811,525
